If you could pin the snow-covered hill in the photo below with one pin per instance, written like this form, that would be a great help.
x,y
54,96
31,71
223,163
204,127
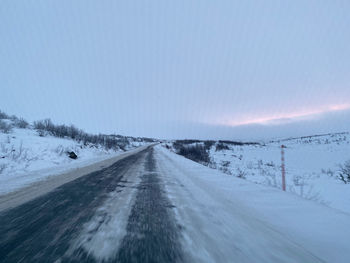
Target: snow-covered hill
x,y
27,157
313,165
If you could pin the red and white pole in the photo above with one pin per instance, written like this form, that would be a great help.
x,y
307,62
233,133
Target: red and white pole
x,y
283,168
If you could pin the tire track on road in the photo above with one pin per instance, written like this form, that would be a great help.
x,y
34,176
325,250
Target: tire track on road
x,y
152,233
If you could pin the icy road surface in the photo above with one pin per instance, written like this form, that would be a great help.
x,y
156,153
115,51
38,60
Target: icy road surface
x,y
155,206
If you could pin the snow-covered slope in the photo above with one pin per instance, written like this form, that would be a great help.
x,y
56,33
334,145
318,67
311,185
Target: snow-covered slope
x,y
225,219
26,157
312,165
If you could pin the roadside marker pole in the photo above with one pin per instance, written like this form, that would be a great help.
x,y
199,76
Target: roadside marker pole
x,y
283,168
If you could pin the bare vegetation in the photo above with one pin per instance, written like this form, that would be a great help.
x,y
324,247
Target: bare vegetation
x,y
2,167
221,146
21,123
47,127
5,127
3,115
344,172
241,173
195,152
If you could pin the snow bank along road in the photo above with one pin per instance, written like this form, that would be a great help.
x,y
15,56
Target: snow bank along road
x,y
155,206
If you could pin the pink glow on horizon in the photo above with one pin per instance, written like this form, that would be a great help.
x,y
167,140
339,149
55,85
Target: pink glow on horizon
x,y
283,117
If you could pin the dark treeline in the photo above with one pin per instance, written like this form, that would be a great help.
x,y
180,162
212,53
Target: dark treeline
x,y
211,142
195,152
198,150
47,127
63,131
236,143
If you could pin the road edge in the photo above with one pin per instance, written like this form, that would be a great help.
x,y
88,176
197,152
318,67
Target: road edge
x,y
27,193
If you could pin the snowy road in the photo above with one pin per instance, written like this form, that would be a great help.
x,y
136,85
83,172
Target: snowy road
x,y
155,206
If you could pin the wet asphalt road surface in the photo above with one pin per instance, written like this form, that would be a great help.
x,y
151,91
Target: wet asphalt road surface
x,y
42,230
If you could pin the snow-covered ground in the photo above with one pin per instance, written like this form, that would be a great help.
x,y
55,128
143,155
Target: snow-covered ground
x,y
217,218
26,157
226,219
221,218
312,166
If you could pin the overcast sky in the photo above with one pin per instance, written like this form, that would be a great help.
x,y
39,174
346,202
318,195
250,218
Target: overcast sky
x,y
179,69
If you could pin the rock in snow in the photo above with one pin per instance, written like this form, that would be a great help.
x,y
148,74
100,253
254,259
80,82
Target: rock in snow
x,y
72,155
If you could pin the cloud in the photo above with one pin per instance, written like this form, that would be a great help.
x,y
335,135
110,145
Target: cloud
x,y
284,118
327,122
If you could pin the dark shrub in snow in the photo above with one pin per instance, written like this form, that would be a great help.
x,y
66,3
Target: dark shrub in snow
x,y
221,146
5,127
3,115
107,141
197,152
208,144
344,173
21,123
47,127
